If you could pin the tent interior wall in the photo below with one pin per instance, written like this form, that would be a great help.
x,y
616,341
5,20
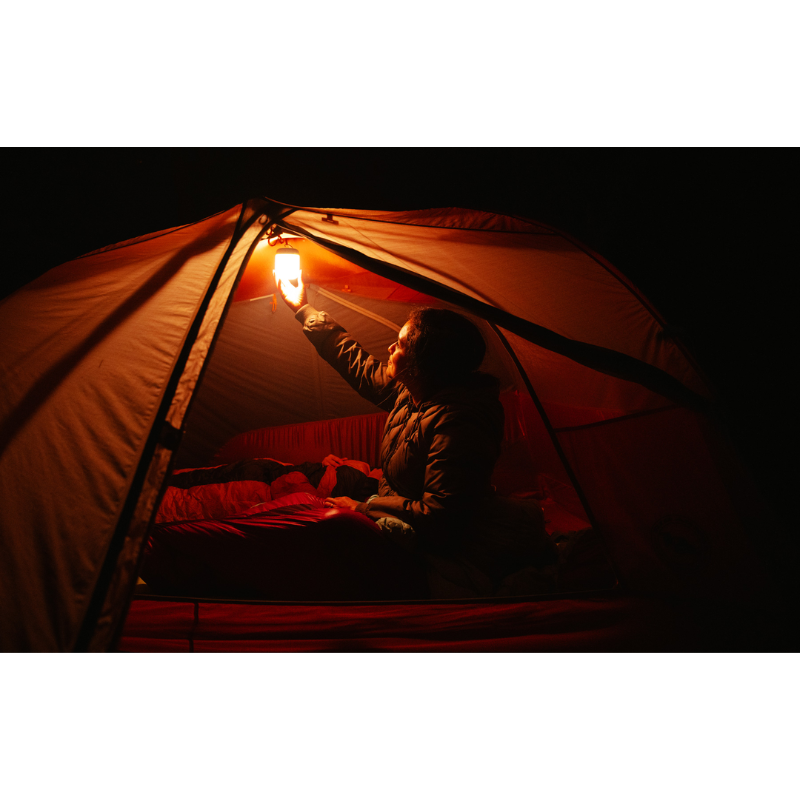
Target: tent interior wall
x,y
657,478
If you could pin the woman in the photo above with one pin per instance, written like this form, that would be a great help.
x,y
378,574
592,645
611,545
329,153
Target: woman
x,y
441,442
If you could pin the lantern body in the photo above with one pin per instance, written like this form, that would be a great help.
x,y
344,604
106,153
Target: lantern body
x,y
287,264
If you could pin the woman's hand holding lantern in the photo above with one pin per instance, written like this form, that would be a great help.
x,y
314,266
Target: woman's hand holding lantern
x,y
294,296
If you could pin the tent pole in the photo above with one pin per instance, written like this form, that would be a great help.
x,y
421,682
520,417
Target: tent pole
x,y
596,357
554,438
357,308
177,436
108,570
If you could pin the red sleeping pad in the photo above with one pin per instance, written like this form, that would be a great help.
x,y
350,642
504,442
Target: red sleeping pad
x,y
299,550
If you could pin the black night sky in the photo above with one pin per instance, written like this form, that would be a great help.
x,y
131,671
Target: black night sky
x,y
703,233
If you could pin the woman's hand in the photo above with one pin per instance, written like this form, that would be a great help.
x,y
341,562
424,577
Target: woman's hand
x,y
294,296
333,461
341,502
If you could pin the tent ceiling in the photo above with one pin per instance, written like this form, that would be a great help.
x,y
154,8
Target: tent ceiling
x,y
570,299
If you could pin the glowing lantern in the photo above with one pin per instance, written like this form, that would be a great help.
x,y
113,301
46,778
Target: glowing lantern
x,y
287,264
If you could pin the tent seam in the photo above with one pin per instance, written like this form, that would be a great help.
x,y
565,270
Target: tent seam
x,y
548,232
634,415
195,623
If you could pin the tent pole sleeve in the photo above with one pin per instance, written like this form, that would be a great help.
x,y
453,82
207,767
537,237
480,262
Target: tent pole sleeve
x,y
178,434
602,359
270,220
554,438
109,567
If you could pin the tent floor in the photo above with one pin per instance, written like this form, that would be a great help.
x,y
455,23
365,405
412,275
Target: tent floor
x,y
578,608
602,622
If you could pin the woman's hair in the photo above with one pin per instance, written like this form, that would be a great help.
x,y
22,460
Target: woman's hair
x,y
443,347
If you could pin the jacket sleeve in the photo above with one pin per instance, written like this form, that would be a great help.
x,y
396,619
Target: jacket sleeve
x,y
461,457
365,373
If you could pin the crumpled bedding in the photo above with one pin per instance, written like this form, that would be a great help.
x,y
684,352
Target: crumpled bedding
x,y
238,530
229,489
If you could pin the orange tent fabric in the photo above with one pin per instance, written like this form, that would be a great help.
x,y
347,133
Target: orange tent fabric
x,y
145,355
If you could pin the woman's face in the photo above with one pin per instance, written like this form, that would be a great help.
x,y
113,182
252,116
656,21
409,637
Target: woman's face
x,y
398,354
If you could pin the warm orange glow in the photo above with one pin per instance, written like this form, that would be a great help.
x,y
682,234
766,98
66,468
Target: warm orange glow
x,y
322,268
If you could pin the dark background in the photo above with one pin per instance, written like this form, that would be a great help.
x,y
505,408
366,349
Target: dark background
x,y
704,234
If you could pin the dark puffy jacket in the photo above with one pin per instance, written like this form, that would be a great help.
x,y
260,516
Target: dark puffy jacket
x,y
438,457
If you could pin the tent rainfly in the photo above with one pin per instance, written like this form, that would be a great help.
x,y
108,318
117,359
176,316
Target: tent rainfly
x,y
148,355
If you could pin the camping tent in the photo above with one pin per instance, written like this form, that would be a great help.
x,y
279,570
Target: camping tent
x,y
150,354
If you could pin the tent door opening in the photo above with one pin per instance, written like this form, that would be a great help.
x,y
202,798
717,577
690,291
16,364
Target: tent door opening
x,y
266,394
